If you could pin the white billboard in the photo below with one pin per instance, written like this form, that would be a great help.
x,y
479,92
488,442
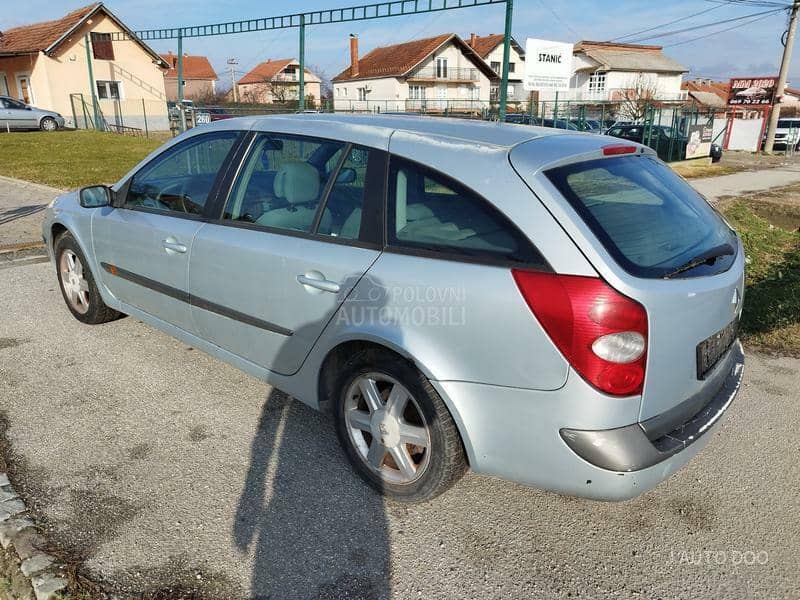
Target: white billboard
x,y
548,65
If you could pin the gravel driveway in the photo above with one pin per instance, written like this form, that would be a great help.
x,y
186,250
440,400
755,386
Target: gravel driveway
x,y
161,467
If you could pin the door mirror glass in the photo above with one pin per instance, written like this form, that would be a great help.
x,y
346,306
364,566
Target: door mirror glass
x,y
95,196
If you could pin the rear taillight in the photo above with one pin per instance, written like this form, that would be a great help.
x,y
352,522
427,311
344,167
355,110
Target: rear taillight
x,y
602,333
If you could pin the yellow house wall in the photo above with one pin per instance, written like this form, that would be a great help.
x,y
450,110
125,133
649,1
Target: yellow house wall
x,y
54,78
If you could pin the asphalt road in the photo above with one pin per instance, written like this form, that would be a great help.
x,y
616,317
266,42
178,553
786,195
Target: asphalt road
x,y
162,467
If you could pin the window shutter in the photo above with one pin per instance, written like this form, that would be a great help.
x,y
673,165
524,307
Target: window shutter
x,y
102,46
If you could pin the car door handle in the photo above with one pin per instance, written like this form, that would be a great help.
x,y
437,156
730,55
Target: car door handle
x,y
172,246
317,281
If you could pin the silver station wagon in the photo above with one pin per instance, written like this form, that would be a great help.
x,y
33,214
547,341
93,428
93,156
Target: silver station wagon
x,y
554,308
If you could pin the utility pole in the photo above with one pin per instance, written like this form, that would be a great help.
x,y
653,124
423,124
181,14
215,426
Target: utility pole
x,y
781,87
232,62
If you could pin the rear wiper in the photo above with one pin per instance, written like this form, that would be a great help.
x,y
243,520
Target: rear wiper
x,y
706,258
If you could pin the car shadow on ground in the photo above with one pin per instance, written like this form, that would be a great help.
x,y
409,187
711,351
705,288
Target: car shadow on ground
x,y
315,529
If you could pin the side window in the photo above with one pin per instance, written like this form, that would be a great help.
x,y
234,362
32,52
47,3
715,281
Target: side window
x,y
283,181
431,212
342,214
181,179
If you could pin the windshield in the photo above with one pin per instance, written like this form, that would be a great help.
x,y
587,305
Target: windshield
x,y
648,218
788,124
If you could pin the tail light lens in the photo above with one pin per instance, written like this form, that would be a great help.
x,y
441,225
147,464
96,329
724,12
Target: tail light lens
x,y
602,333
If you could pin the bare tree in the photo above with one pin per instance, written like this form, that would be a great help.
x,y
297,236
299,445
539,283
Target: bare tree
x,y
637,96
326,85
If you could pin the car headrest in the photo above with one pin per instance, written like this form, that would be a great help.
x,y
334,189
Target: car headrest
x,y
297,182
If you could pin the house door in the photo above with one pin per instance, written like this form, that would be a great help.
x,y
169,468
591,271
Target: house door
x,y
441,94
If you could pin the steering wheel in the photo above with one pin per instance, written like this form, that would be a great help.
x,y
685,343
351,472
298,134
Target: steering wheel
x,y
175,190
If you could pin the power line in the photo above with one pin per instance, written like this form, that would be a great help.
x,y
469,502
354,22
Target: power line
x,y
702,12
759,3
559,19
705,25
701,37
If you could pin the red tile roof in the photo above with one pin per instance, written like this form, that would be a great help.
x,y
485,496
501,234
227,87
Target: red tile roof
x,y
718,88
588,44
41,36
265,71
484,44
194,67
396,60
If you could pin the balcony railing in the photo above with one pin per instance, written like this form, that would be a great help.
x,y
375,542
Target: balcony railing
x,y
448,74
286,77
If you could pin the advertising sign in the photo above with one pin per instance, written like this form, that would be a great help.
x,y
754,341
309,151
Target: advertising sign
x,y
755,91
548,65
699,142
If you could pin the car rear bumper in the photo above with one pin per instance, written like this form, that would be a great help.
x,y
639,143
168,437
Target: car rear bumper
x,y
643,445
522,435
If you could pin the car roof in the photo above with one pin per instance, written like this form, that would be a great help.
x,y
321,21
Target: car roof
x,y
480,132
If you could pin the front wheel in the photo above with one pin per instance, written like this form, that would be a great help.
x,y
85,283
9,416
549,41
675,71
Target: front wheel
x,y
395,429
48,124
78,285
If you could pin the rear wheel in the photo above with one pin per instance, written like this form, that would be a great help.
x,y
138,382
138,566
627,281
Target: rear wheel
x,y
48,124
78,285
395,429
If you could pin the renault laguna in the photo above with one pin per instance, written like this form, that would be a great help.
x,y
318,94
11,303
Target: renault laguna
x,y
550,307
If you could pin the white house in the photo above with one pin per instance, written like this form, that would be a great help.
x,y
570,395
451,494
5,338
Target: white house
x,y
437,74
490,49
603,71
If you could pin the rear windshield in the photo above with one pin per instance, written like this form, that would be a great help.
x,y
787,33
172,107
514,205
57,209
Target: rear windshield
x,y
788,124
650,220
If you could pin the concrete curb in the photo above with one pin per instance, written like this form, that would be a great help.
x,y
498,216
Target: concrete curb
x,y
28,571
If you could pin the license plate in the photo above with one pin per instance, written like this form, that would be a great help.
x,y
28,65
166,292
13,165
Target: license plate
x,y
712,349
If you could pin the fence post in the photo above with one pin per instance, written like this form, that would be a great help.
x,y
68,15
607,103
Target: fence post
x,y
92,90
144,112
506,58
180,81
302,86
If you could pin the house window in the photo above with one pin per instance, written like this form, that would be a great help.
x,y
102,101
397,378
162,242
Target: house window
x,y
362,93
441,68
108,90
102,47
496,66
416,92
597,83
511,67
3,85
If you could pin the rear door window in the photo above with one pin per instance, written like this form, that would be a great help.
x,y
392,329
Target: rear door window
x,y
430,212
648,218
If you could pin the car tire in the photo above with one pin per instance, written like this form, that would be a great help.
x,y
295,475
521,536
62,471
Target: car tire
x,y
77,284
405,407
48,124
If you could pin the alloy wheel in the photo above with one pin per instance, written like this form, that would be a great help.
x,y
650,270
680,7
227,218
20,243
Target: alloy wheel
x,y
75,285
387,427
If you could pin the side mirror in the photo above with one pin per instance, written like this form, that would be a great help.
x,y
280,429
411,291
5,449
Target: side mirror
x,y
346,175
96,196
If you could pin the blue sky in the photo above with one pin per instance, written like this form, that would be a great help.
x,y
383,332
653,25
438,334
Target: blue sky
x,y
750,50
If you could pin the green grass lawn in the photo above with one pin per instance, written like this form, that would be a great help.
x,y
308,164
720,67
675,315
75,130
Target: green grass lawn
x,y
71,159
771,318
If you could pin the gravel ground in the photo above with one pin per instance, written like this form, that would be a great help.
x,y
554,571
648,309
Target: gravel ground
x,y
161,467
21,206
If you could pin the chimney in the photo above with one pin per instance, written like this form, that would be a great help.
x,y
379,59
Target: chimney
x,y
353,55
174,61
472,40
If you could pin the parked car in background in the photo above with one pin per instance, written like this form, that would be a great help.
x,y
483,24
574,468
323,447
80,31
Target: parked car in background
x,y
787,133
16,115
588,125
668,143
521,118
554,308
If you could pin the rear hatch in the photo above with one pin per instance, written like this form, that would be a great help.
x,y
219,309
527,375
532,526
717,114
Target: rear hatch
x,y
652,237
